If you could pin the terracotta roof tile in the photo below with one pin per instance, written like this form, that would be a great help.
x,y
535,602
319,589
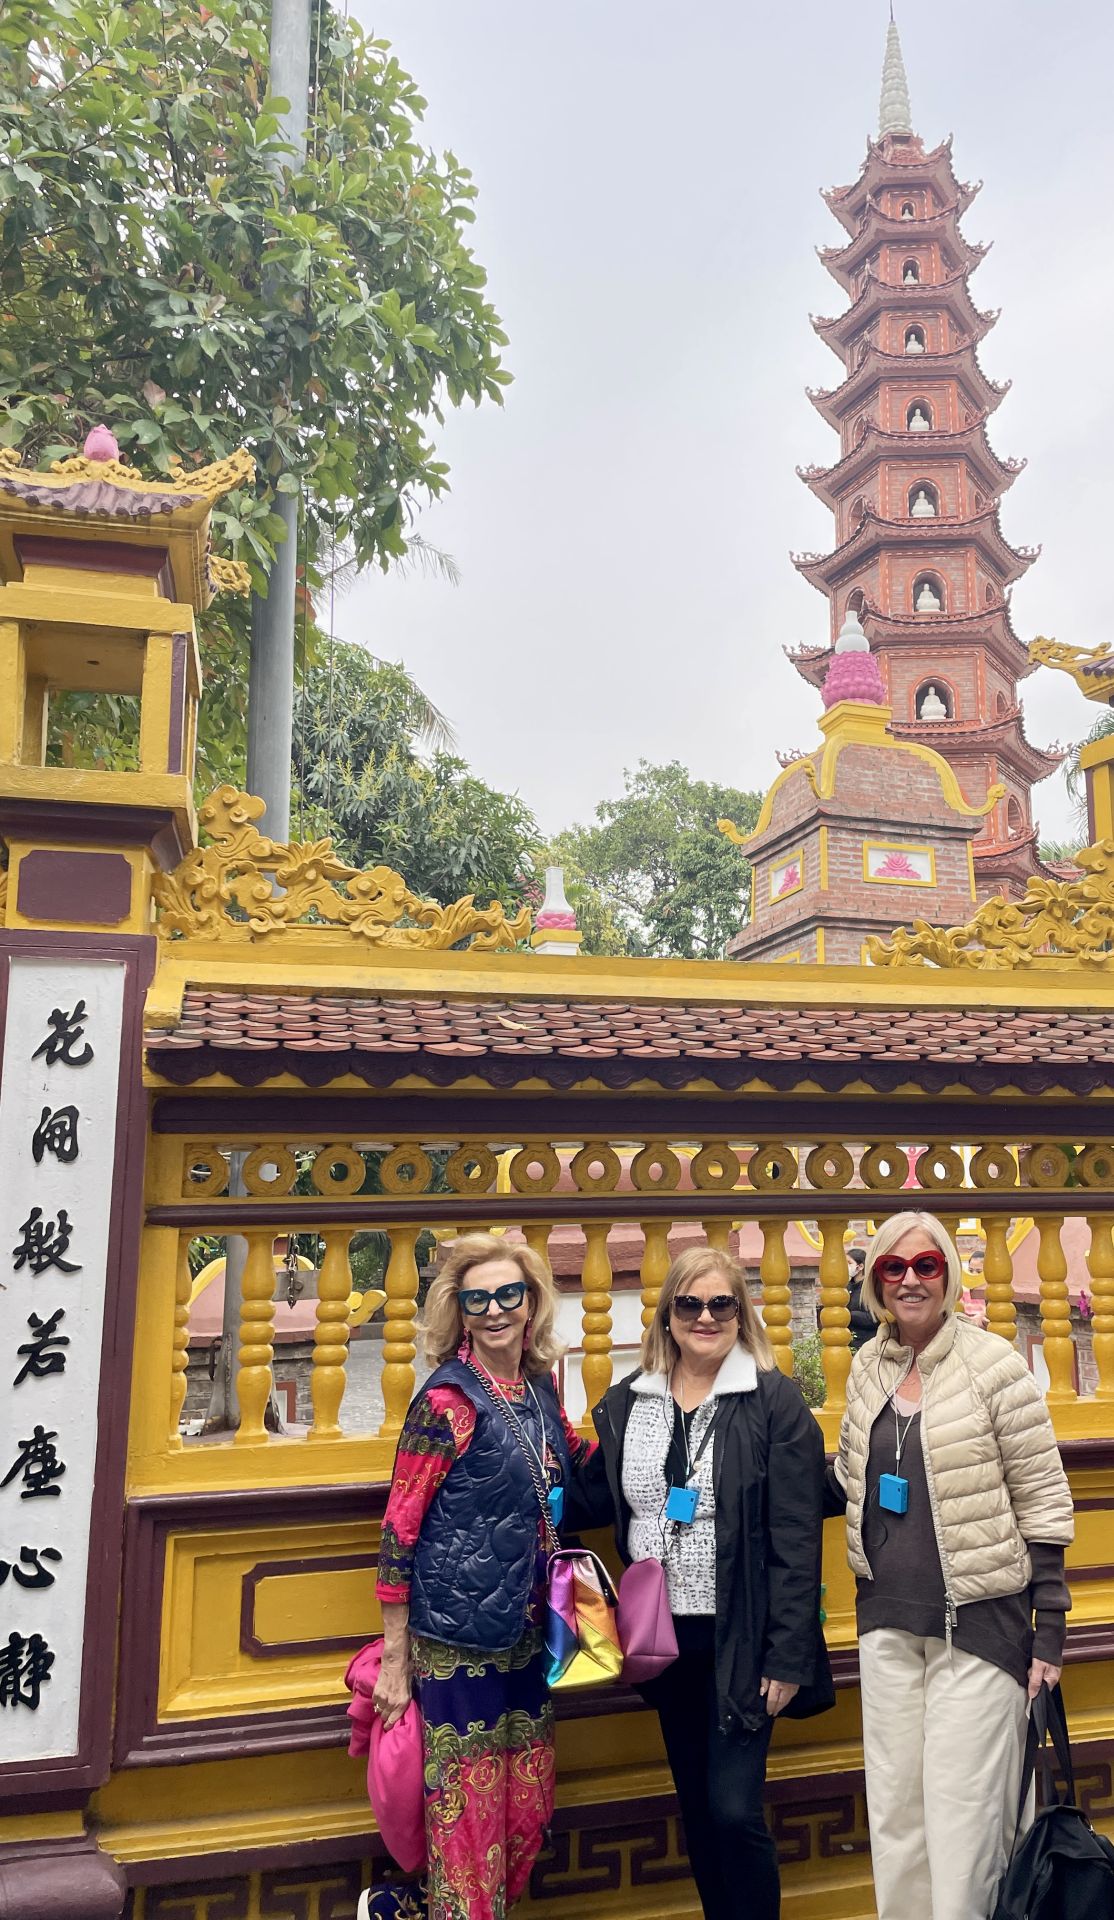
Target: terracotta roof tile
x,y
716,1040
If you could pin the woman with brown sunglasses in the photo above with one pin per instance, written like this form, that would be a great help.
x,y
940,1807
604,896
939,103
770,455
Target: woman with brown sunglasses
x,y
710,1462
958,1513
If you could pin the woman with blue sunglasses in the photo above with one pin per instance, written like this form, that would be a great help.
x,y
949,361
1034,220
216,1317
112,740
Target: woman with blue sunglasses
x,y
462,1571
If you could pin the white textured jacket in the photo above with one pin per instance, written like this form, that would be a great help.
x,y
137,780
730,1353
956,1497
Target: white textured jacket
x,y
995,1478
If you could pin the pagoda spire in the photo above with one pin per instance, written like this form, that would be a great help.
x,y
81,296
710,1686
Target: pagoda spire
x,y
894,113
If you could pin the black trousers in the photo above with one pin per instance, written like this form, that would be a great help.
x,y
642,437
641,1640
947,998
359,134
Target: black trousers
x,y
720,1780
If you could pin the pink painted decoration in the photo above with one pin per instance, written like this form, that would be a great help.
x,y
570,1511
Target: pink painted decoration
x,y
791,878
100,444
854,676
544,919
898,866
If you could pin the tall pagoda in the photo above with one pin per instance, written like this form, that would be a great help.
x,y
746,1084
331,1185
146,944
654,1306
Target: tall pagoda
x,y
920,556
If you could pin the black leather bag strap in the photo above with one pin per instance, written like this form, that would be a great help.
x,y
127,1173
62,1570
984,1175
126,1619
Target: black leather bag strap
x,y
1047,1716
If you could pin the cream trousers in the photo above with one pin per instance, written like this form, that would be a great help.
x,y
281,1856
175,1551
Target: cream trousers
x,y
943,1741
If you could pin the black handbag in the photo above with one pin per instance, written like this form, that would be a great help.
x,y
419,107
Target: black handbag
x,y
1061,1869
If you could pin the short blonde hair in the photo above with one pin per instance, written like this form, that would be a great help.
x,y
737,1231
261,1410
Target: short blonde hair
x,y
884,1241
660,1352
442,1325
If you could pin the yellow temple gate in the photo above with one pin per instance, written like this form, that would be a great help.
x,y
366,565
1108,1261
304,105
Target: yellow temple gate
x,y
289,1048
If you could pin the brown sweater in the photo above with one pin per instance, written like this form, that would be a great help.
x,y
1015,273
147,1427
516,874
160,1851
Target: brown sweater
x,y
907,1590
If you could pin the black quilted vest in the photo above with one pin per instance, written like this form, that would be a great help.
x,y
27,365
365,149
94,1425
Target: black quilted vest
x,y
475,1562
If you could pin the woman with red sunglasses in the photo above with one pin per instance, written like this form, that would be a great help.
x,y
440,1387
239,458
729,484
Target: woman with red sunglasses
x,y
958,1514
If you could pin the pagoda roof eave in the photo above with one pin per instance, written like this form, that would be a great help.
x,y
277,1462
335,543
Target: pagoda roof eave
x,y
1005,734
833,403
889,169
826,571
876,228
995,629
877,296
829,483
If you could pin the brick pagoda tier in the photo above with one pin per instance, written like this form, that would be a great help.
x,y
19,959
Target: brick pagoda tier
x,y
920,554
869,831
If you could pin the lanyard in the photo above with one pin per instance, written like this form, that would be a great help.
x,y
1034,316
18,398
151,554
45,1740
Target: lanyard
x,y
692,1461
900,1437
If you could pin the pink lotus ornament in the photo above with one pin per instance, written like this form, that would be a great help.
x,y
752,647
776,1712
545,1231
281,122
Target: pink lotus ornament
x,y
100,444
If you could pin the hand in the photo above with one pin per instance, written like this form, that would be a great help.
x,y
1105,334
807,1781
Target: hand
x,y
1042,1674
392,1692
777,1695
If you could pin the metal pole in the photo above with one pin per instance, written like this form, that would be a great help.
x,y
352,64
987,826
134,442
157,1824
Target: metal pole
x,y
271,664
271,670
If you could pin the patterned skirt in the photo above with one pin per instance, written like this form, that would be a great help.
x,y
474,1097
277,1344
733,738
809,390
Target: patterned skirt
x,y
489,1772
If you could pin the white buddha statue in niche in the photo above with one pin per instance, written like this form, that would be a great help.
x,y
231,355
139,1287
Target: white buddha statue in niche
x,y
928,600
923,507
919,421
931,706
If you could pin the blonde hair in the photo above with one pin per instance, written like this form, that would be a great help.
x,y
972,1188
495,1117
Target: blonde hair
x,y
442,1326
660,1351
884,1241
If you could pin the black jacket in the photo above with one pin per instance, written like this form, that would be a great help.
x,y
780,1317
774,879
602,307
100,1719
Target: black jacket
x,y
768,1475
863,1324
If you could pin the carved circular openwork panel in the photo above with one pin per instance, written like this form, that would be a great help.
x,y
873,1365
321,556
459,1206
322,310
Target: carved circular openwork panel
x,y
829,1168
338,1171
596,1168
885,1167
993,1168
205,1172
269,1170
535,1168
1048,1165
471,1170
715,1169
655,1166
406,1170
940,1169
1095,1166
772,1168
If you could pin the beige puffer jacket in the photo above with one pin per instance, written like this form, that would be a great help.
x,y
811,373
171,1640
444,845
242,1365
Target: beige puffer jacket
x,y
994,1472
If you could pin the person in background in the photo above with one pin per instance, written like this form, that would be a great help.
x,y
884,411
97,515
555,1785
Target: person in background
x,y
863,1324
710,1461
462,1571
973,1306
958,1513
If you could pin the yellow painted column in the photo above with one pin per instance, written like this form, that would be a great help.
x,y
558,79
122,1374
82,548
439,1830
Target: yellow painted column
x,y
835,1316
596,1313
776,1310
330,1336
154,706
1100,1263
655,1266
13,679
401,1284
718,1234
1055,1310
536,1237
254,1378
1001,1314
180,1342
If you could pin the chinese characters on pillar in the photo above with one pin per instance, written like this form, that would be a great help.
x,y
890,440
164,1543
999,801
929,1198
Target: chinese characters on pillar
x,y
58,1100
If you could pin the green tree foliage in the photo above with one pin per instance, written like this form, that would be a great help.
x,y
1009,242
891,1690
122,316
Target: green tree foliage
x,y
360,776
674,885
1058,850
155,274
595,915
1073,773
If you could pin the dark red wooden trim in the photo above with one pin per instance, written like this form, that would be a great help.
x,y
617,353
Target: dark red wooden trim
x,y
220,1216
97,556
76,824
598,1116
567,1074
40,1782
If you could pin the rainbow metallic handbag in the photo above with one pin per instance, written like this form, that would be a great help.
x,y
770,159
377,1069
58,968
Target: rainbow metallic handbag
x,y
581,1627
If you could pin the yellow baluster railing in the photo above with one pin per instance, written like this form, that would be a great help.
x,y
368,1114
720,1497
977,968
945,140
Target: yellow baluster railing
x,y
718,1234
180,1342
655,1266
536,1237
835,1316
776,1311
330,1336
1100,1264
255,1378
596,1313
401,1285
1052,1268
1001,1314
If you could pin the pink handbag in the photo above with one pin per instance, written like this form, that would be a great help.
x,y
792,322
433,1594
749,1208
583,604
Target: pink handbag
x,y
646,1631
395,1771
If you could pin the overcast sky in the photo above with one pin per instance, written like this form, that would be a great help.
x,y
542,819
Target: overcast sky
x,y
648,215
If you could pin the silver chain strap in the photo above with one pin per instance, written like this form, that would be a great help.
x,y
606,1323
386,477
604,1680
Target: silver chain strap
x,y
552,1541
